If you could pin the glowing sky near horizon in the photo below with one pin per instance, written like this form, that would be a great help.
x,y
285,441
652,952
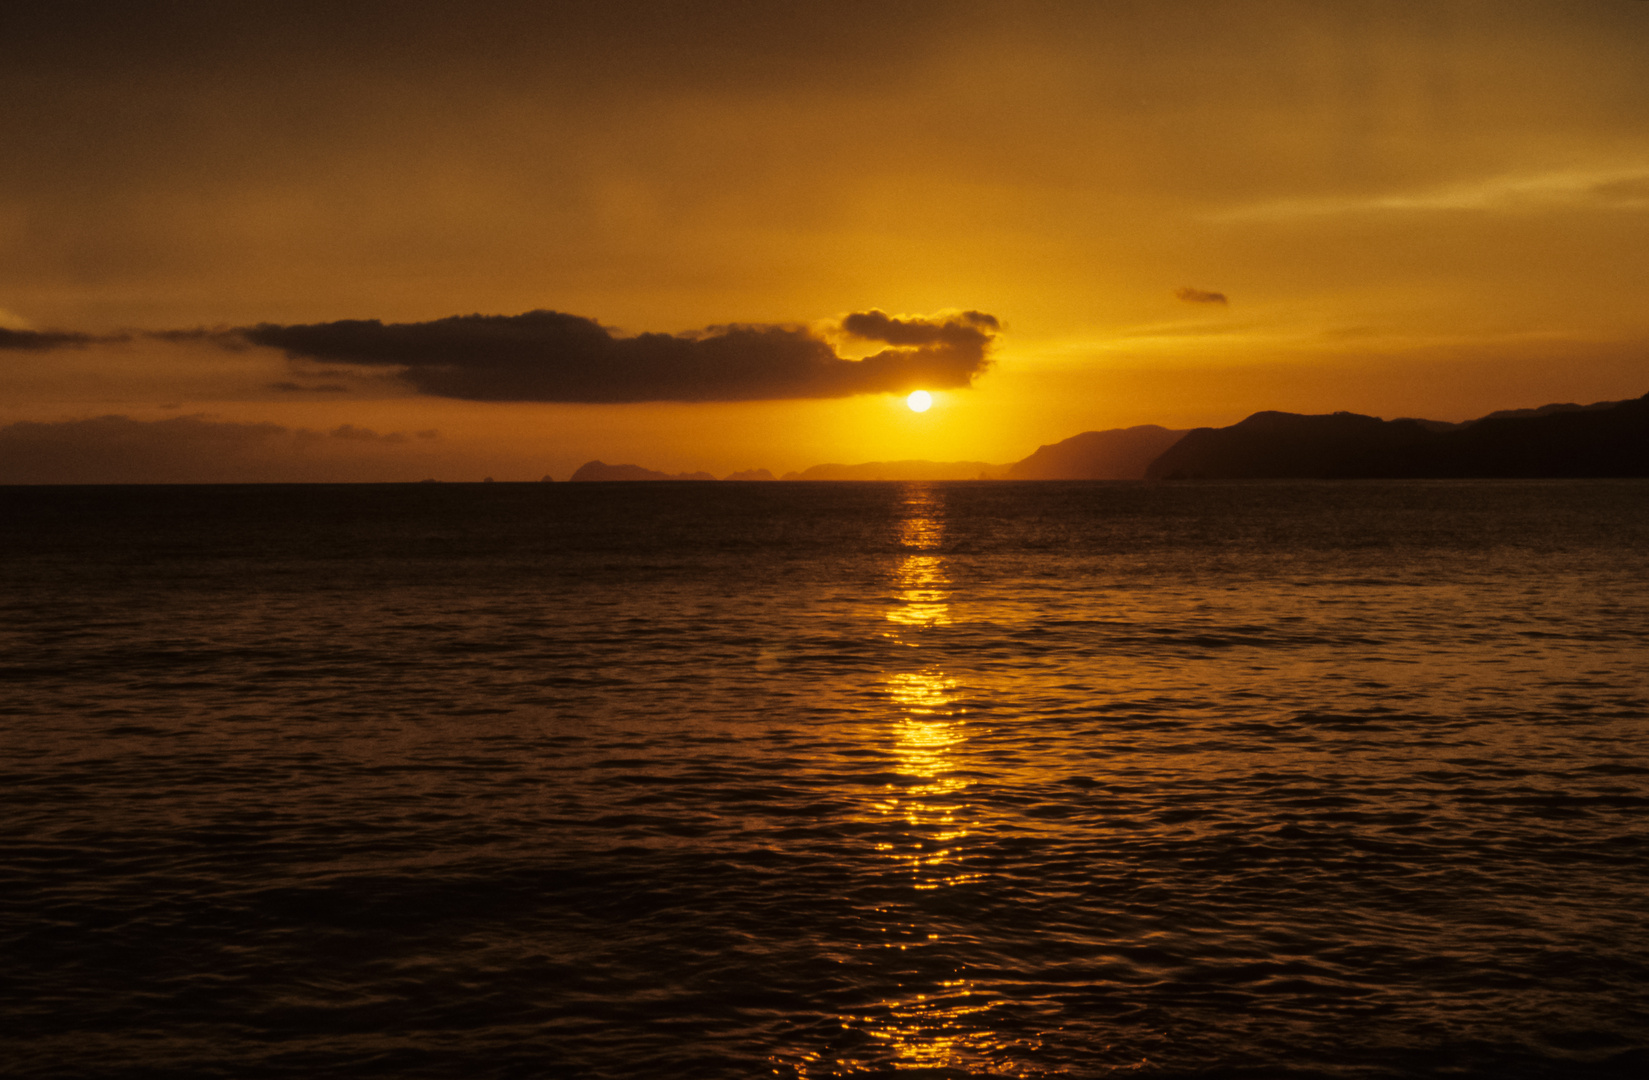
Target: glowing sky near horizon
x,y
1179,214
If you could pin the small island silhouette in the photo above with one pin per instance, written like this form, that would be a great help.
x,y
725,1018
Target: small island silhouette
x,y
600,470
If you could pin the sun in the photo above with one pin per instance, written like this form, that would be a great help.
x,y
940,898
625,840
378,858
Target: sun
x,y
919,401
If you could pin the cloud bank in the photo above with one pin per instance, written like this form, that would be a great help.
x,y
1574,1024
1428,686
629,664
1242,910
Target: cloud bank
x,y
551,356
1200,296
44,340
195,449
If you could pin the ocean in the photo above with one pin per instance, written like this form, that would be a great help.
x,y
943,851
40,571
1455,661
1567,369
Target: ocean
x,y
976,779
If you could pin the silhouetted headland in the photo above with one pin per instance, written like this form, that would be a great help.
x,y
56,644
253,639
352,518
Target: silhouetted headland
x,y
1117,454
1606,439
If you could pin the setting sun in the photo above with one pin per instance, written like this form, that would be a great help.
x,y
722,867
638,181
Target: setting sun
x,y
919,401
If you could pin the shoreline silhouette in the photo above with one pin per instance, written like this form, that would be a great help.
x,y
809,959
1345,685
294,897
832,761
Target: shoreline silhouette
x,y
1603,439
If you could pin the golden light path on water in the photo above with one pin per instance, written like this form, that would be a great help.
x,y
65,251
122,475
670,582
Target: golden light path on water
x,y
925,1027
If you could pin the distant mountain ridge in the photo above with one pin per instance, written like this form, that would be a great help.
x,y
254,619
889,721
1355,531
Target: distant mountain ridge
x,y
1117,454
903,470
1544,410
1605,439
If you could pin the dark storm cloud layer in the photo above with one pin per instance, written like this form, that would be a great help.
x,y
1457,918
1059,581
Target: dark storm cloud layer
x,y
551,356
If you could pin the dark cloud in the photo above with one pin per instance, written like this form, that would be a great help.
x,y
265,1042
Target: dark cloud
x,y
192,449
118,449
47,340
321,388
968,328
43,340
221,336
361,434
655,40
1200,296
551,356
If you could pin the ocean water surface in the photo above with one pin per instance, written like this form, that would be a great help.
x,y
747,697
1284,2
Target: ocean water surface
x,y
818,780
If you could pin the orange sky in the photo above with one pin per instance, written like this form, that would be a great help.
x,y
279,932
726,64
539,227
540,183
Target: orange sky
x,y
1431,208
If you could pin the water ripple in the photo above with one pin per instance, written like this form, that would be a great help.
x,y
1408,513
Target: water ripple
x,y
1071,780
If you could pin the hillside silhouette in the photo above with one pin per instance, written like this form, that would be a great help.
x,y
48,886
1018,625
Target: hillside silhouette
x,y
1601,440
1117,454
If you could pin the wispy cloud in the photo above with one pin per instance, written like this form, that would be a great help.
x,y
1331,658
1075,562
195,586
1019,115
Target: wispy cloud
x,y
1618,189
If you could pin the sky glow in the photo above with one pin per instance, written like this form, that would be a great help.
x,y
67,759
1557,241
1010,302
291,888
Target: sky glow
x,y
1125,214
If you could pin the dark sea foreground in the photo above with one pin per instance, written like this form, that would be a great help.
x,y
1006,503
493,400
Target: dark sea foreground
x,y
805,780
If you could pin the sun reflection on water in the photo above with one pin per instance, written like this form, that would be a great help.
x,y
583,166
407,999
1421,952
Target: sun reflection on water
x,y
922,597
922,1011
932,1023
926,733
928,1031
922,527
